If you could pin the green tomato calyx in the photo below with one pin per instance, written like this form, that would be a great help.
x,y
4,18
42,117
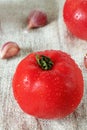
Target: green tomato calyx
x,y
44,62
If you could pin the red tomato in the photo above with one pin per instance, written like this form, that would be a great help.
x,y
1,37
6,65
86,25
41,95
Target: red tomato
x,y
48,84
75,17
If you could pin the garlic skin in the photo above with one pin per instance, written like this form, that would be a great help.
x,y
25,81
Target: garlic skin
x,y
36,19
85,61
9,50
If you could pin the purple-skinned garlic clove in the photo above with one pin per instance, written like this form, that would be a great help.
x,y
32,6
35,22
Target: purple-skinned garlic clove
x,y
85,60
9,50
36,19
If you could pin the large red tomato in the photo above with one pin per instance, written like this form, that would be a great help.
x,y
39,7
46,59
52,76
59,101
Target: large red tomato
x,y
48,84
75,17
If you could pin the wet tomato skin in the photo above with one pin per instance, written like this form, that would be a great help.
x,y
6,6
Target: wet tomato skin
x,y
75,17
48,94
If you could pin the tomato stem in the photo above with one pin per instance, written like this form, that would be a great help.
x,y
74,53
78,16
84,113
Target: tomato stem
x,y
44,62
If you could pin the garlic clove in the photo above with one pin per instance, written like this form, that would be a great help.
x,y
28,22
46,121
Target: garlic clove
x,y
30,25
85,60
37,19
9,50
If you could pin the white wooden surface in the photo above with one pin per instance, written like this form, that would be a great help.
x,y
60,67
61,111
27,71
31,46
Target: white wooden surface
x,y
13,14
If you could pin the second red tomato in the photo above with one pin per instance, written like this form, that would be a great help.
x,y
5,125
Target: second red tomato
x,y
75,17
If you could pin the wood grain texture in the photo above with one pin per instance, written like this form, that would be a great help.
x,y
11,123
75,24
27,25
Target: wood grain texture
x,y
13,16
